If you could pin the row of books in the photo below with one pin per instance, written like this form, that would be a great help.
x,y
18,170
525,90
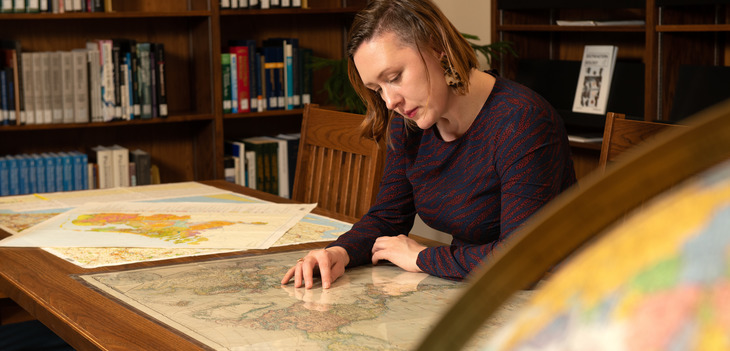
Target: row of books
x,y
55,6
259,4
109,79
274,76
263,163
102,167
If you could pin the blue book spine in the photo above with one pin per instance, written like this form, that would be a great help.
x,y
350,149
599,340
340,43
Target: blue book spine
x,y
4,177
24,175
84,164
289,66
50,162
79,171
67,174
32,174
14,175
234,83
40,168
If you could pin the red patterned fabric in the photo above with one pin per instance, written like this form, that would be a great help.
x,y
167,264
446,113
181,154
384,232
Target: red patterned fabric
x,y
479,188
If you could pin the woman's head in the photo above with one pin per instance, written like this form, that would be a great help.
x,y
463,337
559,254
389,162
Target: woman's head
x,y
418,25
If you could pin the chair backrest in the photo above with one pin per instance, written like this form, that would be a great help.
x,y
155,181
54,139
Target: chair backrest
x,y
336,167
621,134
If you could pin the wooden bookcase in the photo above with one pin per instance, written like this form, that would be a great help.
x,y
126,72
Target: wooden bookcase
x,y
674,33
187,145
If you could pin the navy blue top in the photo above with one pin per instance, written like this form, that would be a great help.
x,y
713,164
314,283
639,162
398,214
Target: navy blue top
x,y
479,188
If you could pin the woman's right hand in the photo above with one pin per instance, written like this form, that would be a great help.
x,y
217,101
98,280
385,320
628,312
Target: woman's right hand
x,y
329,262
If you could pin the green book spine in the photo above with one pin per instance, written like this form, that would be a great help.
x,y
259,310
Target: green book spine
x,y
226,70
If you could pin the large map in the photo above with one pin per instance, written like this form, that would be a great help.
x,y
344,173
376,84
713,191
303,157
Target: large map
x,y
18,213
165,225
239,304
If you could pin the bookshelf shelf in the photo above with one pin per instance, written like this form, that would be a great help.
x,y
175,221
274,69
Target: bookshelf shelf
x,y
557,28
267,114
101,15
189,143
290,11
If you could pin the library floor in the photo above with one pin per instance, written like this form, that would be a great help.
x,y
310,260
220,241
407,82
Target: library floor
x,y
30,335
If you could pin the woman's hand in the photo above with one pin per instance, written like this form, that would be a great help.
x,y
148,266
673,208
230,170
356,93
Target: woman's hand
x,y
329,262
400,250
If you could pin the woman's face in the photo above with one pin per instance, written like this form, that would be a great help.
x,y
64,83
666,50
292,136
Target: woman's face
x,y
397,73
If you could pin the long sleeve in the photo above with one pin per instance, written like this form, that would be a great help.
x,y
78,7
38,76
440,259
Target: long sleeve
x,y
479,188
532,169
393,212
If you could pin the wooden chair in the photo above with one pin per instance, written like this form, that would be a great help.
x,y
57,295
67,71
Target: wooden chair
x,y
336,167
621,134
579,215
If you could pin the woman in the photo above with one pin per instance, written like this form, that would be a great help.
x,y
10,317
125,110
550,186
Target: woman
x,y
472,154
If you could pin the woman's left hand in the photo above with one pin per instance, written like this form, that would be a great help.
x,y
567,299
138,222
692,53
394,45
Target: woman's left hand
x,y
400,250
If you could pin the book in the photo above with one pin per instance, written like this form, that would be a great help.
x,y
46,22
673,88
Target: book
x,y
57,171
273,52
250,171
13,175
250,73
143,78
4,109
292,141
282,165
68,90
40,173
32,174
142,161
161,79
49,168
235,150
226,81
56,88
108,94
13,59
120,165
267,173
229,169
80,163
594,80
67,173
102,157
80,77
28,94
96,108
234,82
4,176
242,76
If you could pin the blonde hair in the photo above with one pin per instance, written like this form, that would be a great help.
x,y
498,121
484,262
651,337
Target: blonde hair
x,y
418,23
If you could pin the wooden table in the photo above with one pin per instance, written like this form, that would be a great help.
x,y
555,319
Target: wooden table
x,y
43,285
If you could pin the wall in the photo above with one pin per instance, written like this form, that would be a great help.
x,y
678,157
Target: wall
x,y
471,17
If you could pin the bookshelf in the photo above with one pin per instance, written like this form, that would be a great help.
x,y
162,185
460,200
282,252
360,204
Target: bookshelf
x,y
188,144
674,33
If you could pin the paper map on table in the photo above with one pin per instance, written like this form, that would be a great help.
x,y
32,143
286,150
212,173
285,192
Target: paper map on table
x,y
165,225
312,228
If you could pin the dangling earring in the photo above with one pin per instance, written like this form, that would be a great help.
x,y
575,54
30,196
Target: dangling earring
x,y
452,77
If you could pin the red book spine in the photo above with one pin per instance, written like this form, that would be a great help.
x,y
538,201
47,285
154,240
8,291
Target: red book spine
x,y
242,57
